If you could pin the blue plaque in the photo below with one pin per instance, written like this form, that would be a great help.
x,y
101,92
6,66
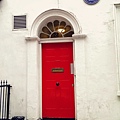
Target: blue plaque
x,y
91,2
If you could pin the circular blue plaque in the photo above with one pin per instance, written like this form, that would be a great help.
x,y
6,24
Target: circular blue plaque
x,y
91,2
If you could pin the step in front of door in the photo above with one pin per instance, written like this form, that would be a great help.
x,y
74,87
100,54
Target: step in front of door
x,y
58,119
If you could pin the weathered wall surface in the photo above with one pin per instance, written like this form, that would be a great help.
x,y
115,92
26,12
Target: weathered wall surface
x,y
96,80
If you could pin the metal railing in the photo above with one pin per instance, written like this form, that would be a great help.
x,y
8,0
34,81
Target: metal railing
x,y
4,100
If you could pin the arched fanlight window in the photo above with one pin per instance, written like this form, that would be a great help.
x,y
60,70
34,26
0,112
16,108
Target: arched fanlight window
x,y
56,29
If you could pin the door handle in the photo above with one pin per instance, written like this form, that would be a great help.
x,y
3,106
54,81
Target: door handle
x,y
72,68
57,83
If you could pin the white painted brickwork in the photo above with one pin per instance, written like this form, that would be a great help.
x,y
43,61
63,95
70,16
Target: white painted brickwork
x,y
96,67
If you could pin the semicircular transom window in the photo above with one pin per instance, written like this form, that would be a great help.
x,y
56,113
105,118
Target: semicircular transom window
x,y
56,29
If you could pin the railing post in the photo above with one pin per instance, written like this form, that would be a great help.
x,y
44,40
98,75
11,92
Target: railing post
x,y
8,102
3,104
0,98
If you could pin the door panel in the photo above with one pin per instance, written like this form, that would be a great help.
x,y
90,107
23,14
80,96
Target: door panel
x,y
57,81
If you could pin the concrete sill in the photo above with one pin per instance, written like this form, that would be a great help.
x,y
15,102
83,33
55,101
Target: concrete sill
x,y
118,93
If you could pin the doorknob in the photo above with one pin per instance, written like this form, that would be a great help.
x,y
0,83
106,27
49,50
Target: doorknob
x,y
57,83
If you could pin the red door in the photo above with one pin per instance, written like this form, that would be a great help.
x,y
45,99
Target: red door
x,y
57,81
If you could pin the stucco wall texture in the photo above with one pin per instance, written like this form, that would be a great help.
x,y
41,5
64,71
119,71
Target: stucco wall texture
x,y
96,89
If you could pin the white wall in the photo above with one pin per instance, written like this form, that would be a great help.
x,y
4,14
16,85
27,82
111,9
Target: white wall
x,y
96,85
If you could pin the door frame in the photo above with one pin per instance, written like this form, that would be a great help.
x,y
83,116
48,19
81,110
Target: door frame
x,y
33,55
33,71
55,40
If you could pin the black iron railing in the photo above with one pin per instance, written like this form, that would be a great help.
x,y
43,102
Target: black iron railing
x,y
4,100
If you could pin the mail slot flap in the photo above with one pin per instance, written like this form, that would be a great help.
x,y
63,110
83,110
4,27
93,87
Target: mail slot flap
x,y
57,70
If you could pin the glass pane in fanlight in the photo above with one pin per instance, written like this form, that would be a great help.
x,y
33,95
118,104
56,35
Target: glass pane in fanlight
x,y
42,35
56,24
45,30
56,34
50,26
62,24
67,28
69,34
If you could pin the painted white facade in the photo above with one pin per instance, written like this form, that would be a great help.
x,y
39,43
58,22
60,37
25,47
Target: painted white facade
x,y
96,54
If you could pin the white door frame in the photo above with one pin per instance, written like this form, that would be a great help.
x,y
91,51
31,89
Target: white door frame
x,y
34,63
